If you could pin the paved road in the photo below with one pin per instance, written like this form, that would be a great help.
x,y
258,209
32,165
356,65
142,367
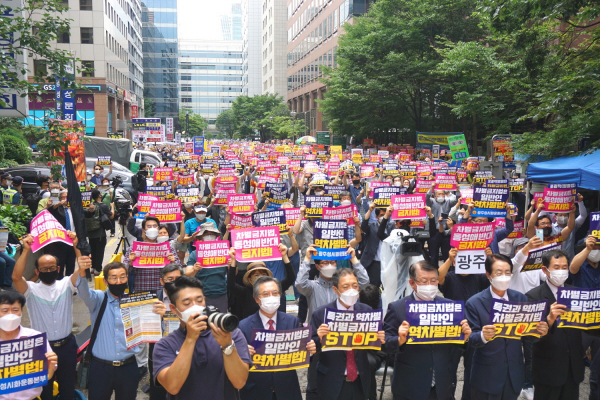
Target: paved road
x,y
81,319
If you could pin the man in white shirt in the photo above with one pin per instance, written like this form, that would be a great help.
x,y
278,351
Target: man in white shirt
x,y
11,310
525,281
50,305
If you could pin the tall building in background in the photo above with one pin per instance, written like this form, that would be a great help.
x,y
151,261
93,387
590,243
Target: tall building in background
x,y
251,48
159,21
274,47
231,25
107,36
313,28
210,76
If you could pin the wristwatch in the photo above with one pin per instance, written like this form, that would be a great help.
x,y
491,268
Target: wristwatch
x,y
229,349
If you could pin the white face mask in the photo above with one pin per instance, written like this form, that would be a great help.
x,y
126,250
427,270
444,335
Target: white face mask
x,y
10,322
55,192
557,278
200,217
427,292
270,304
349,297
209,238
345,202
188,205
501,282
440,199
205,177
193,310
397,184
562,220
594,256
328,270
162,239
152,233
97,171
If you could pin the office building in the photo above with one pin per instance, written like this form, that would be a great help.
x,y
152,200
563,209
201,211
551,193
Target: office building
x,y
251,48
210,76
107,36
274,47
161,82
231,25
313,29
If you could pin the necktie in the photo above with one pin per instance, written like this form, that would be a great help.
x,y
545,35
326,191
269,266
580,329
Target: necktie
x,y
271,327
68,220
351,370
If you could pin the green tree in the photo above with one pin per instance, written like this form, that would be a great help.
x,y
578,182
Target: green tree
x,y
149,110
225,123
384,77
249,114
36,25
197,123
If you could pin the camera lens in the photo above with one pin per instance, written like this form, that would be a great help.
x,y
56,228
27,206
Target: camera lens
x,y
226,322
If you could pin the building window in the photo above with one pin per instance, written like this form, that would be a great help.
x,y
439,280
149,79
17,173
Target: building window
x,y
64,3
186,100
88,69
85,5
63,37
87,35
40,68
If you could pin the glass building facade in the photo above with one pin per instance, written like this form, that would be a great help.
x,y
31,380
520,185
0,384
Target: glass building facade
x,y
210,76
160,48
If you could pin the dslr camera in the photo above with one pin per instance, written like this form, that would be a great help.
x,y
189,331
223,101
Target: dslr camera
x,y
225,321
116,181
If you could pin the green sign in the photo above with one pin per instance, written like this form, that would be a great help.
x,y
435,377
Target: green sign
x,y
458,147
324,138
339,141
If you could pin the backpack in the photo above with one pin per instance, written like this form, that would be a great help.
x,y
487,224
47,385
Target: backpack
x,y
93,223
33,200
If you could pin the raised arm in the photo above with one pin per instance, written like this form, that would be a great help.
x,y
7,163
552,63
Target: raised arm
x,y
533,220
298,225
17,275
580,258
566,232
443,269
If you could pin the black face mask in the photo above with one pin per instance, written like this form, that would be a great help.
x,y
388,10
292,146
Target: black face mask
x,y
144,173
48,277
547,231
117,290
356,181
169,286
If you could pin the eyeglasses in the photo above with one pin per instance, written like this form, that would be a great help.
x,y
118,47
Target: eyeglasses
x,y
168,280
428,282
544,224
48,269
326,263
113,279
267,294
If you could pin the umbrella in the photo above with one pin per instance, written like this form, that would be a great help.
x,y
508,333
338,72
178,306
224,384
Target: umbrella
x,y
306,139
74,197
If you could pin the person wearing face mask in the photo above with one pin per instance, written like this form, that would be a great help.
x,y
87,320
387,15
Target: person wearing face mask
x,y
98,174
425,371
11,310
138,181
108,197
145,279
213,279
168,274
544,222
113,367
557,365
499,358
196,361
562,220
371,256
584,267
243,295
341,374
281,385
192,226
95,230
354,186
440,202
50,307
500,233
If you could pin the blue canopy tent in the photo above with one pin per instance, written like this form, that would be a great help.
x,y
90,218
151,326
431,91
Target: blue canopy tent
x,y
583,170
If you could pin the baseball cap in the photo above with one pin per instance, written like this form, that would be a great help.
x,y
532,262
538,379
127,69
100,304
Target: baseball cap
x,y
17,180
6,175
200,209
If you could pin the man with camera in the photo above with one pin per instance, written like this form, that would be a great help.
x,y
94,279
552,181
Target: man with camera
x,y
138,181
193,359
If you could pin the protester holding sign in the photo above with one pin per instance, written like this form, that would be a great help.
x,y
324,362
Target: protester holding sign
x,y
584,267
562,220
50,307
99,169
281,385
500,358
557,367
342,374
525,278
440,202
545,223
416,365
24,372
499,234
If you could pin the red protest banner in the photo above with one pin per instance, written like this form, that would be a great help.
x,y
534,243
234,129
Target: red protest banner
x,y
166,211
557,200
240,203
212,254
409,206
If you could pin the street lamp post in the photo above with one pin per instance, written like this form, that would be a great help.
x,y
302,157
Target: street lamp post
x,y
271,118
187,120
293,115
